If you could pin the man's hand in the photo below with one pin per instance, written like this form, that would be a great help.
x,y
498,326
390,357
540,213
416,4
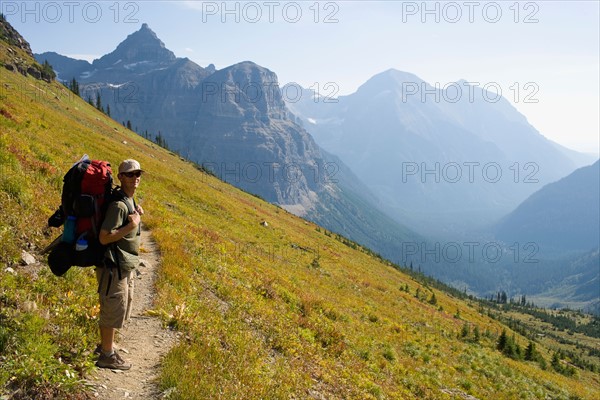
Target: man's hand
x,y
134,218
106,237
139,209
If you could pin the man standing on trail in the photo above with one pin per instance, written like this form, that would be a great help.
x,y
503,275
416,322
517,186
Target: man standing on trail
x,y
120,231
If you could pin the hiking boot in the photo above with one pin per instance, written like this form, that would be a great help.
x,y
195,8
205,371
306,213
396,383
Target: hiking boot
x,y
98,349
114,361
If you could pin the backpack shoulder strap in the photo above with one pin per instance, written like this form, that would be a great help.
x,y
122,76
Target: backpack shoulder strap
x,y
118,195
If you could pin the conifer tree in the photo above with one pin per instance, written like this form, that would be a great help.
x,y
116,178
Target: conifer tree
x,y
99,102
530,352
466,329
433,299
74,87
476,334
47,70
502,341
556,362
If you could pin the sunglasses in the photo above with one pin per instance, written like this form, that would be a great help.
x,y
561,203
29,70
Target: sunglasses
x,y
137,174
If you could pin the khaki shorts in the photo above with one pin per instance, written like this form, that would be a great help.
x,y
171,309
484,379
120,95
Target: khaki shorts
x,y
115,307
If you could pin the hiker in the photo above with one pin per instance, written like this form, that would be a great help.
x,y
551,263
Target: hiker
x,y
115,279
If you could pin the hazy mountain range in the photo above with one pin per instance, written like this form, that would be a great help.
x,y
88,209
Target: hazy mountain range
x,y
443,162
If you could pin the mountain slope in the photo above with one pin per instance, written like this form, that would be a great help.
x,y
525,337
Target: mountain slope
x,y
266,311
563,221
561,216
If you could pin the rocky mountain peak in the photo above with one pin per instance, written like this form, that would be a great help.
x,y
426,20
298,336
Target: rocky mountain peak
x,y
390,81
245,90
142,46
393,77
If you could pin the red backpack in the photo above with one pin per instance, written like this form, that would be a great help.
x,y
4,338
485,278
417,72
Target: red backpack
x,y
87,186
87,191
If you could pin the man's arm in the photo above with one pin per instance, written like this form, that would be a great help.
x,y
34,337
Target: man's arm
x,y
107,237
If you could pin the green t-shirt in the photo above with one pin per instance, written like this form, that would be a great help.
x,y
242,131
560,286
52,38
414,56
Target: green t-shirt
x,y
127,248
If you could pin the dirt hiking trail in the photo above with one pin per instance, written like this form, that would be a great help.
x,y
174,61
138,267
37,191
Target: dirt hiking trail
x,y
143,341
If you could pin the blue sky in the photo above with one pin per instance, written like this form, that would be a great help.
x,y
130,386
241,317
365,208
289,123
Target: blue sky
x,y
542,55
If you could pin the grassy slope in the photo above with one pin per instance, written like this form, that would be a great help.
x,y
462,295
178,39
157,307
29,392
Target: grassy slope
x,y
283,311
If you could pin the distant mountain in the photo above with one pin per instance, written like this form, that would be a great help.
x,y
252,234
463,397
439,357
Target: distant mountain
x,y
66,68
235,123
140,48
562,222
439,165
562,216
210,121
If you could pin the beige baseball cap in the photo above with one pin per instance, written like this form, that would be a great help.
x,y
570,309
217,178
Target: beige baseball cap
x,y
129,166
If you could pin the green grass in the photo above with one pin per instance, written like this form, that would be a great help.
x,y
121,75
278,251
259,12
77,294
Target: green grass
x,y
284,311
